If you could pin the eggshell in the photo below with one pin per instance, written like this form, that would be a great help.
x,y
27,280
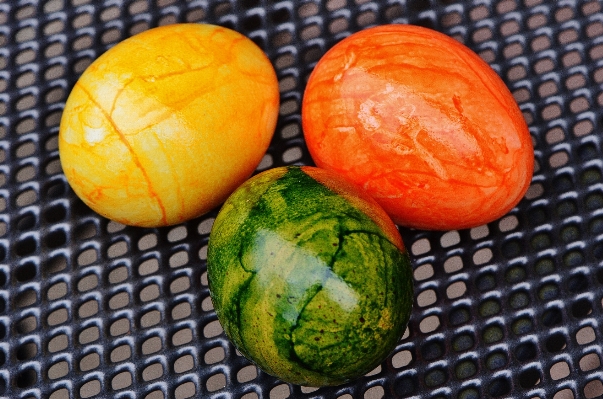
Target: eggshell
x,y
163,126
422,123
308,276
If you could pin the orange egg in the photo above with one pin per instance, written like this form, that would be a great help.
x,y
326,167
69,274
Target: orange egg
x,y
422,123
162,127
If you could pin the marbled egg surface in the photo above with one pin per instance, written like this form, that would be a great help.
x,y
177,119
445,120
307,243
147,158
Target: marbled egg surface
x,y
163,126
422,123
309,276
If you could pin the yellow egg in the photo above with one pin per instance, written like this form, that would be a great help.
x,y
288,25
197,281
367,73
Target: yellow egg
x,y
162,127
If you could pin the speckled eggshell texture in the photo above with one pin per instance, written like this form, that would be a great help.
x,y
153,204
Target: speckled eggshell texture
x,y
162,127
309,276
422,123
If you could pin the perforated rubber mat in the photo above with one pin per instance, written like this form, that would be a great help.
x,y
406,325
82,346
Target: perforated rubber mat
x,y
513,309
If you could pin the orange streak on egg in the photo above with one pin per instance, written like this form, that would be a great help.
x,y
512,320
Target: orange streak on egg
x,y
135,159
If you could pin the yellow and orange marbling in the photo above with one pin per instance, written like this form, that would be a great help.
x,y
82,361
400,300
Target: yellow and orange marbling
x,y
162,127
422,123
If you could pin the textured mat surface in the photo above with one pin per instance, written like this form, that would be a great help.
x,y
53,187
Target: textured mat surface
x,y
91,308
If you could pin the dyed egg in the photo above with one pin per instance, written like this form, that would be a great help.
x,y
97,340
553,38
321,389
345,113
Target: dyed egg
x,y
422,123
162,127
308,276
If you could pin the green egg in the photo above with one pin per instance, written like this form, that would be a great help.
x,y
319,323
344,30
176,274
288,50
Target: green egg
x,y
309,276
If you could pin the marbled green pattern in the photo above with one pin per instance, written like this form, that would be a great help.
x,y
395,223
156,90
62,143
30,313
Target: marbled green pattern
x,y
306,285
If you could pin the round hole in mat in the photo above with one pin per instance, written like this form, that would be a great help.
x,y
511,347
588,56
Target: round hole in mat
x,y
512,248
489,307
539,215
578,283
158,394
58,370
519,299
26,221
214,355
26,298
119,300
436,377
590,361
425,272
87,283
120,327
402,359
25,246
26,325
496,360
429,324
26,378
585,335
121,353
85,230
526,351
567,208
184,363
26,351
559,370
432,350
25,272
55,264
522,326
465,369
426,298
463,342
595,226
593,201
581,308
459,315
529,378
486,282
573,258
493,333
499,387
185,390
121,380
55,239
58,343
540,241
151,345
555,343
247,374
548,291
55,213
406,385
89,335
544,266
469,393
552,317
216,382
90,389
593,389
89,362
586,152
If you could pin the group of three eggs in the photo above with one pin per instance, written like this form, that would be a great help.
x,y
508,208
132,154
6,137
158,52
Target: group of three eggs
x,y
307,271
